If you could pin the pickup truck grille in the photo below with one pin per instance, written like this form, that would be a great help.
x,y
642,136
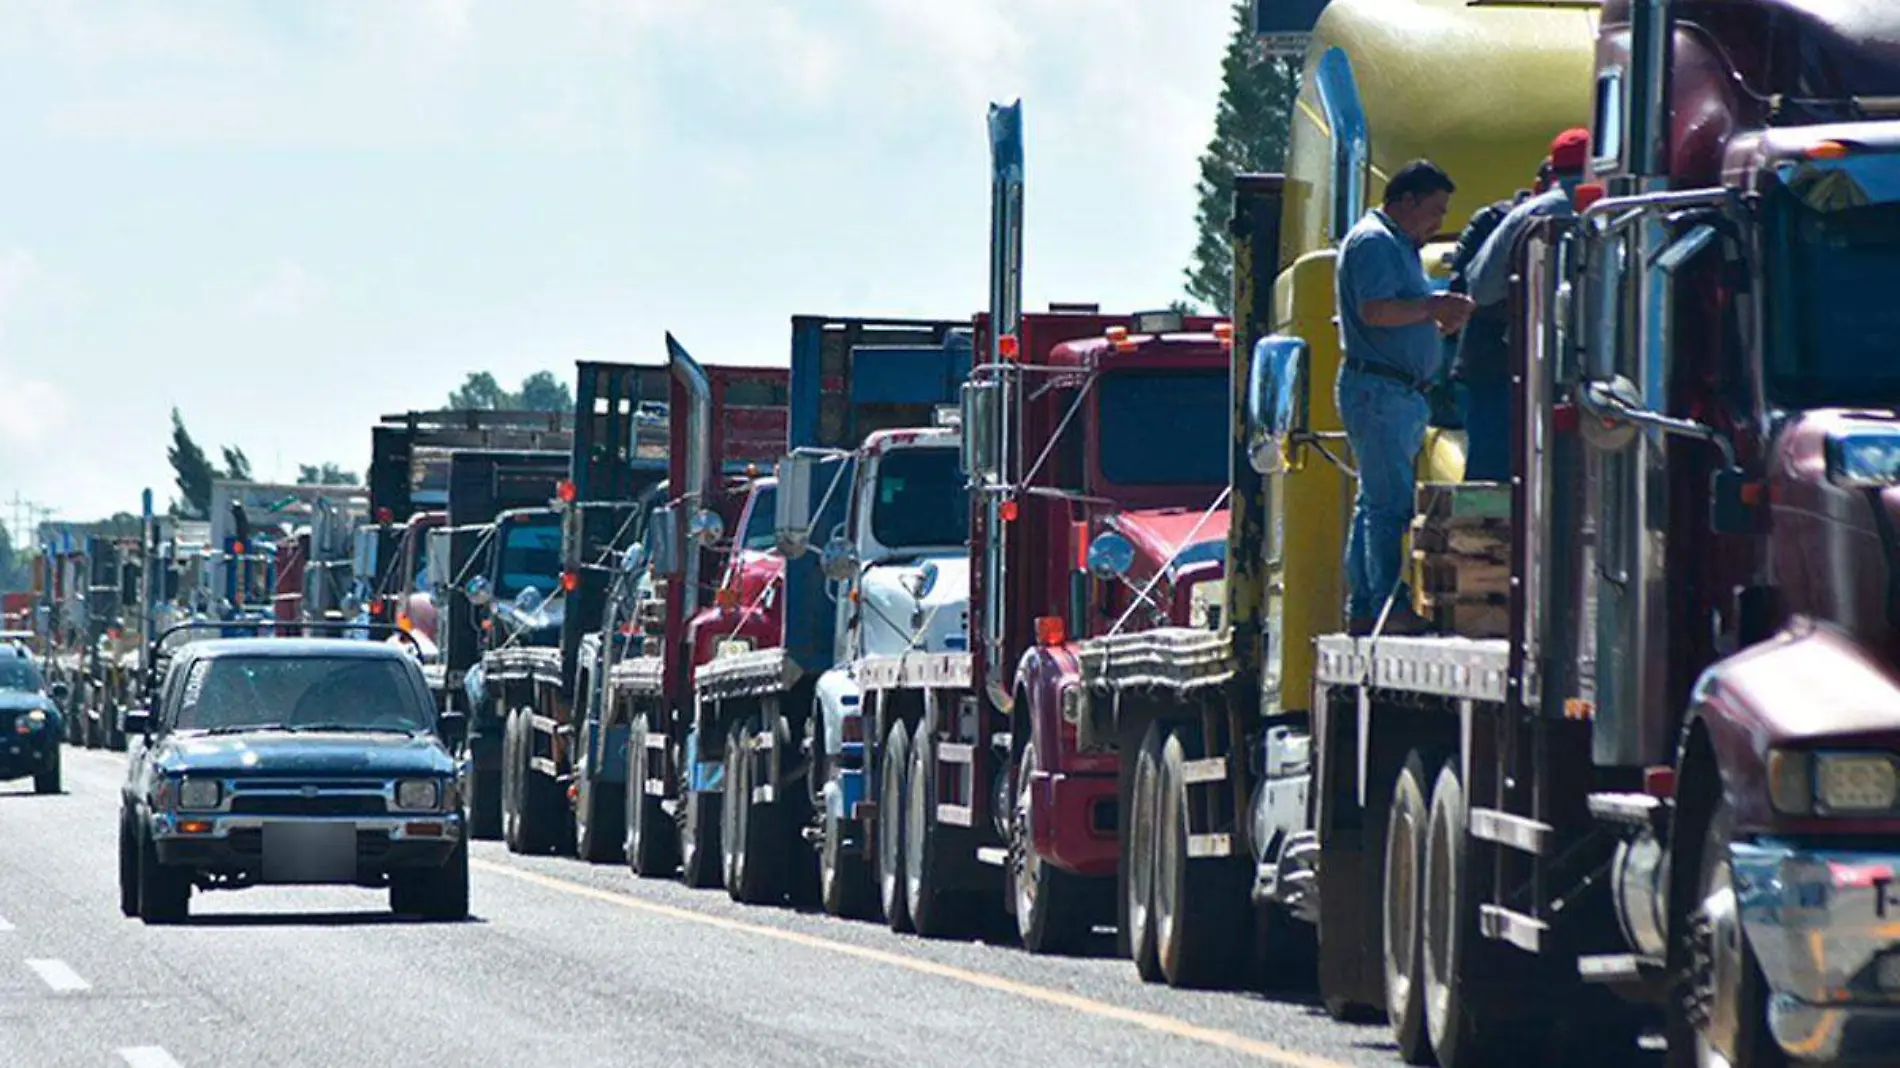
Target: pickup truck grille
x,y
297,805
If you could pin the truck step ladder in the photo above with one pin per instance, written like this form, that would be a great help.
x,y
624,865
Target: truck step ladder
x,y
1518,832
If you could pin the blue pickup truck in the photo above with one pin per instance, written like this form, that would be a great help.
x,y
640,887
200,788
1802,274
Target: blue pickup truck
x,y
296,761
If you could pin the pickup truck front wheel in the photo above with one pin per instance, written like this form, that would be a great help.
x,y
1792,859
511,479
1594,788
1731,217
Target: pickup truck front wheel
x,y
164,892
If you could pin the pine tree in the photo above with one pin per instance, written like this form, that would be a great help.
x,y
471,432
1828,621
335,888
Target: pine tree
x,y
194,471
1250,136
237,466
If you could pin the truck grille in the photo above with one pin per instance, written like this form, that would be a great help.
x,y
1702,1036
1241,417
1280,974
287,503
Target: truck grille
x,y
297,805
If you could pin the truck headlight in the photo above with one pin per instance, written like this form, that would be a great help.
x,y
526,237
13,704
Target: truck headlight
x,y
1856,782
199,794
418,794
32,721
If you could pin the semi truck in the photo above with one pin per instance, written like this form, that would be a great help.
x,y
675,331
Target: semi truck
x,y
565,783
494,543
848,378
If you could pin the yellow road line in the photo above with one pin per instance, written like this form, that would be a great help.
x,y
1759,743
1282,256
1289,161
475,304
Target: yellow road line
x,y
1166,1025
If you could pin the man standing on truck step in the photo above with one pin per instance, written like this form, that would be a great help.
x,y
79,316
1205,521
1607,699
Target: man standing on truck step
x,y
1391,325
1483,360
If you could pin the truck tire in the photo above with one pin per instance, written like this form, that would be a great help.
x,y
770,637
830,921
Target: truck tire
x,y
128,867
164,893
1464,1014
442,894
844,876
1722,1016
1138,846
652,845
485,816
937,909
1403,953
511,784
599,810
1199,905
892,790
533,805
46,780
1052,906
699,839
749,833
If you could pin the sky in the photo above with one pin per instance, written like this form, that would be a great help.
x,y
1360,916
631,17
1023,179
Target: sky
x,y
288,217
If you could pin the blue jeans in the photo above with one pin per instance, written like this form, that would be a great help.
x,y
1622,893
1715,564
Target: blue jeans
x,y
1385,423
1487,411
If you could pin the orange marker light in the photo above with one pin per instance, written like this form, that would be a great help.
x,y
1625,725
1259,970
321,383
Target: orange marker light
x,y
1827,150
1008,511
727,597
567,491
1050,630
1007,346
570,581
1117,333
194,827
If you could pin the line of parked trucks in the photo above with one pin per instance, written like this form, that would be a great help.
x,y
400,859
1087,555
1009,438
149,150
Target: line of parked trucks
x,y
1035,617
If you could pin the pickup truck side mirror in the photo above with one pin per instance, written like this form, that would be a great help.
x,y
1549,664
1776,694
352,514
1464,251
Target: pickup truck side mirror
x,y
136,721
451,726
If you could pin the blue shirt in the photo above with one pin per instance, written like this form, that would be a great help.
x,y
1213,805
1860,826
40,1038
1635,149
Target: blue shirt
x,y
1378,261
1491,267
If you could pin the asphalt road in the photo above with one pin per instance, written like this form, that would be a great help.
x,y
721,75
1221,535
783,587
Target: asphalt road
x,y
563,963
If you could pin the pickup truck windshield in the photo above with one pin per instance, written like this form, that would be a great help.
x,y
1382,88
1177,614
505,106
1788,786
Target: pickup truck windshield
x,y
530,556
761,534
334,693
920,501
19,676
1834,327
1163,428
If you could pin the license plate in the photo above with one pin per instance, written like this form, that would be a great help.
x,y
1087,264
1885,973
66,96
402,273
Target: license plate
x,y
306,853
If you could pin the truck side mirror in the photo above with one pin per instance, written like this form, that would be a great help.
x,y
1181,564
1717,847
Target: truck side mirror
x,y
664,547
1277,407
135,721
479,592
980,405
791,511
840,560
707,528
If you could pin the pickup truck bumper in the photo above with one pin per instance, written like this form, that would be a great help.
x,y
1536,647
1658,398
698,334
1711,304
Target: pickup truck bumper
x,y
235,844
26,754
1825,925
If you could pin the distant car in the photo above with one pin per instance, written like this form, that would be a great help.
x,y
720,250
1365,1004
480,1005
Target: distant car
x,y
292,761
30,727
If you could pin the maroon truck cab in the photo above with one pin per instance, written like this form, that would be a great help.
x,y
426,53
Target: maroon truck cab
x,y
1107,513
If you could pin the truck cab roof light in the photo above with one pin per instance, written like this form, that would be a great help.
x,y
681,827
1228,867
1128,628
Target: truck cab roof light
x,y
1224,333
1159,322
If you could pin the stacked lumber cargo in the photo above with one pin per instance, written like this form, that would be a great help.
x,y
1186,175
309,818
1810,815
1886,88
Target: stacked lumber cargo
x,y
1461,557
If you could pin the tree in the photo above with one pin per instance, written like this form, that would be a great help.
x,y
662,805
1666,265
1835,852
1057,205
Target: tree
x,y
194,472
237,466
479,390
9,563
327,474
542,392
1251,128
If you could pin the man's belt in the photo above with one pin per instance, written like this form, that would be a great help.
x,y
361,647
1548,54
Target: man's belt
x,y
1386,370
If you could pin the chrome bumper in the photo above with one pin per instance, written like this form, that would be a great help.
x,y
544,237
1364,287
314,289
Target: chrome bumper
x,y
1825,925
418,826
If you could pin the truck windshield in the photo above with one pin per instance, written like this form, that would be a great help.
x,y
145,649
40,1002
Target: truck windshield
x,y
530,556
1163,428
230,693
1834,326
761,526
19,676
920,500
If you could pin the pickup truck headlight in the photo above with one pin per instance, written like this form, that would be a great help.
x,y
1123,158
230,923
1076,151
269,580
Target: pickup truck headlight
x,y
418,794
1836,783
30,722
199,794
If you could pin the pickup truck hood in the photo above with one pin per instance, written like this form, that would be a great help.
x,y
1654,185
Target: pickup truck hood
x,y
21,701
891,613
272,753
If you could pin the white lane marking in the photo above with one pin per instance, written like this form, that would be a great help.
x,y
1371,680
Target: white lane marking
x,y
59,975
148,1057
